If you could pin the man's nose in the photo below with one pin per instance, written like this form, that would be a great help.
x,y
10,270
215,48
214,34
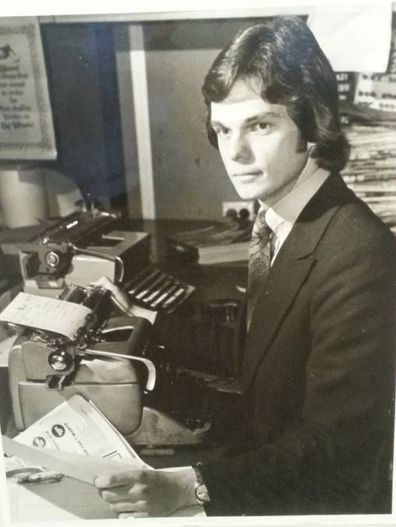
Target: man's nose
x,y
239,149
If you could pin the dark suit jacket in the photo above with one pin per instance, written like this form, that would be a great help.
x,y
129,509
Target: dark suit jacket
x,y
318,371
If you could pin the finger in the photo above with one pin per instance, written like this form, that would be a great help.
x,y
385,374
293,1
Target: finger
x,y
124,493
128,477
129,506
116,494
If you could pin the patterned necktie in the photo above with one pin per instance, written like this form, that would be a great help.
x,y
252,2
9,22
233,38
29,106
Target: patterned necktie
x,y
260,250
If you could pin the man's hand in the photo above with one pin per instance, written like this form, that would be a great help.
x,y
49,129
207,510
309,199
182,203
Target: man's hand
x,y
122,301
142,493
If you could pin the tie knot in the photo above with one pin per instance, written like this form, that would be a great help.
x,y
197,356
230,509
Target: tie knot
x,y
260,226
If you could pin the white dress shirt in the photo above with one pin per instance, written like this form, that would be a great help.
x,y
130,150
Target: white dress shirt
x,y
282,215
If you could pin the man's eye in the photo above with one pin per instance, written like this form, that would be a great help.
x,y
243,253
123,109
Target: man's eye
x,y
220,131
261,127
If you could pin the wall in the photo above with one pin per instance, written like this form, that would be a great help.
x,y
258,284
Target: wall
x,y
189,179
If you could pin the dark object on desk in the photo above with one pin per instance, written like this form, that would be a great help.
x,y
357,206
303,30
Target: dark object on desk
x,y
194,388
202,402
222,311
224,241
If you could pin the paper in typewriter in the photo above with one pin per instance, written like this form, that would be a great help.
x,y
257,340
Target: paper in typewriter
x,y
47,314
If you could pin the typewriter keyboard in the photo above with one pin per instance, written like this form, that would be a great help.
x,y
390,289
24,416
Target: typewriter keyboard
x,y
157,290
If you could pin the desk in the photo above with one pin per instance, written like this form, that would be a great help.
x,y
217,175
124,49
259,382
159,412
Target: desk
x,y
211,282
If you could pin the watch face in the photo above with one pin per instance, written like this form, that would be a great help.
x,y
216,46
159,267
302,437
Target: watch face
x,y
202,493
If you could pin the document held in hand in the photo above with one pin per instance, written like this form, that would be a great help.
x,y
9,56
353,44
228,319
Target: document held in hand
x,y
74,438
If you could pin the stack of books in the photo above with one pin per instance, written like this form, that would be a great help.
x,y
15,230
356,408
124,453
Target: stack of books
x,y
224,241
371,170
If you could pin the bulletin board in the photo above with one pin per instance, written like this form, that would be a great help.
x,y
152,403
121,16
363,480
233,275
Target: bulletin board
x,y
26,127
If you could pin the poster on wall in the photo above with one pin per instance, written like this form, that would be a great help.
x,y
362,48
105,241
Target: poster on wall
x,y
26,127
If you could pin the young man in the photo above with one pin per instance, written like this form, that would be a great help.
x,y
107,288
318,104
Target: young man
x,y
318,329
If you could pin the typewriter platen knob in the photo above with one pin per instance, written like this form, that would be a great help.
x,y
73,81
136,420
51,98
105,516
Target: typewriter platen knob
x,y
60,361
52,259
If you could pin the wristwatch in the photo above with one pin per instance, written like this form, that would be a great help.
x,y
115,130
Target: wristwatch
x,y
200,489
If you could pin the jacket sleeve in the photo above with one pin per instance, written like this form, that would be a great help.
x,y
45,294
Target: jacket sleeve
x,y
324,460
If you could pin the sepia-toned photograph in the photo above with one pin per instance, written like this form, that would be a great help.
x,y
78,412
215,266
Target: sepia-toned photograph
x,y
198,265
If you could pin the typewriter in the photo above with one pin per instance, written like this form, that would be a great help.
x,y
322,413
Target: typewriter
x,y
83,247
106,360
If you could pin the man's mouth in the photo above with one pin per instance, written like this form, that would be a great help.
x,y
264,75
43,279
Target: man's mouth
x,y
247,174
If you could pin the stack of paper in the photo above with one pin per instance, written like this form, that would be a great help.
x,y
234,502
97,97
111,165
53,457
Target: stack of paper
x,y
371,170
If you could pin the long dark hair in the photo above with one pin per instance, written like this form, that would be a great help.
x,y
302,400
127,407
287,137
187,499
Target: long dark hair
x,y
285,59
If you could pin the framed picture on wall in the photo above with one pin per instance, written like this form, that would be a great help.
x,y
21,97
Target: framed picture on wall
x,y
26,128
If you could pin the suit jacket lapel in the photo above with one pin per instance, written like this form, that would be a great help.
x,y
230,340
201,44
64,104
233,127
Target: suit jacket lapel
x,y
289,271
281,287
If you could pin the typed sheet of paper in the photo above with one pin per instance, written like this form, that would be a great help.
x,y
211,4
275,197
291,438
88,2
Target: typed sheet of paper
x,y
47,314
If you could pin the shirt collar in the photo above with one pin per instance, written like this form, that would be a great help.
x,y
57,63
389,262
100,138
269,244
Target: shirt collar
x,y
284,213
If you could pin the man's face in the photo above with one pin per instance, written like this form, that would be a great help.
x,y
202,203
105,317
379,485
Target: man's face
x,y
261,147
